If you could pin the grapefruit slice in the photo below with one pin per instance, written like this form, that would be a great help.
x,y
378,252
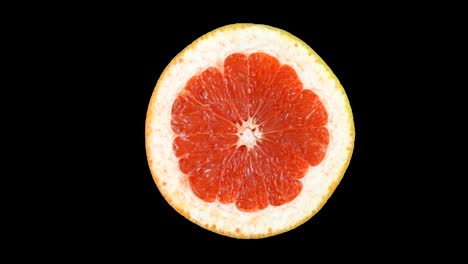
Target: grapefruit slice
x,y
248,131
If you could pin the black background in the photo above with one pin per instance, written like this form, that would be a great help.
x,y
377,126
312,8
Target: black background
x,y
109,60
360,53
356,51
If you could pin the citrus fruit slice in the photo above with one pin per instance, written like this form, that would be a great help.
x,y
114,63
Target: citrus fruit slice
x,y
248,132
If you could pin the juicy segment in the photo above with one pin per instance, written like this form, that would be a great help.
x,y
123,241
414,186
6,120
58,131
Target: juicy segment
x,y
286,132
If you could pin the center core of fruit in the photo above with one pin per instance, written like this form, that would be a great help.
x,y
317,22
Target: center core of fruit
x,y
247,138
248,134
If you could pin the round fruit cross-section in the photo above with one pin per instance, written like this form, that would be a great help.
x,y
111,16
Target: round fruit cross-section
x,y
248,132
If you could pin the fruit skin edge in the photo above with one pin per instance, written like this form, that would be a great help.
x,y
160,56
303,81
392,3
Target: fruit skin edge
x,y
332,186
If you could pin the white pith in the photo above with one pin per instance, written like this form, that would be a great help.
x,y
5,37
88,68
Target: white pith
x,y
211,51
248,134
